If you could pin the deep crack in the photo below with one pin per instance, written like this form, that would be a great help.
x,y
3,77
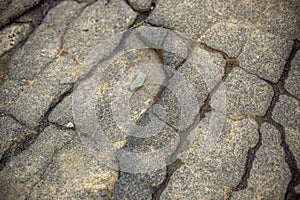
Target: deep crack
x,y
278,89
20,145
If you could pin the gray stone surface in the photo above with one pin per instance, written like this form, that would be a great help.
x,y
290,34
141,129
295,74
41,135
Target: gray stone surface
x,y
292,82
40,172
195,183
44,43
141,5
137,186
140,100
190,17
49,153
94,26
202,71
250,11
24,170
11,35
246,94
265,54
227,37
269,172
75,174
286,112
281,19
9,92
14,8
11,131
47,85
207,170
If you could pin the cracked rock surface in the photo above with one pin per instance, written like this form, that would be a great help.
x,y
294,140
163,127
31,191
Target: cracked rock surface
x,y
214,99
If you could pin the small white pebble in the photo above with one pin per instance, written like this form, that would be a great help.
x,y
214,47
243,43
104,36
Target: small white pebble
x,y
69,125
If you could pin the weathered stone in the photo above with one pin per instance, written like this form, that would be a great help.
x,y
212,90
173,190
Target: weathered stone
x,y
25,169
227,37
207,169
62,113
74,173
97,22
250,10
265,54
207,144
282,18
37,13
137,186
10,131
246,94
195,183
270,174
12,35
292,82
141,5
119,107
13,8
190,17
44,43
9,92
287,113
33,104
189,87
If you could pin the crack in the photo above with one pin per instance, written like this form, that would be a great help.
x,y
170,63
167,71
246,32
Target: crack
x,y
251,155
170,171
230,64
212,50
142,15
159,26
23,143
44,122
60,50
278,89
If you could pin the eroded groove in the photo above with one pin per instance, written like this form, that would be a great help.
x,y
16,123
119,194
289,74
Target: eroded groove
x,y
23,143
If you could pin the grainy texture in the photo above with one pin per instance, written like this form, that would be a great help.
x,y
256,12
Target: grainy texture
x,y
149,99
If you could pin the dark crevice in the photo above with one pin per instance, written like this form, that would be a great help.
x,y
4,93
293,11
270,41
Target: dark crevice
x,y
170,171
158,26
142,15
249,163
278,89
23,143
289,156
212,50
62,127
44,122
